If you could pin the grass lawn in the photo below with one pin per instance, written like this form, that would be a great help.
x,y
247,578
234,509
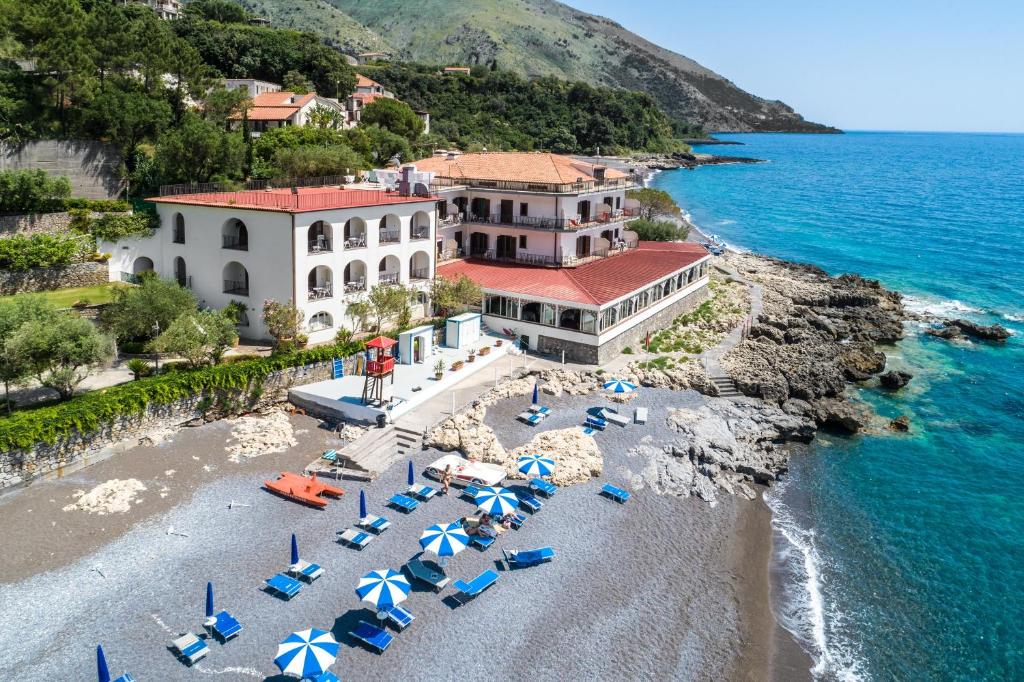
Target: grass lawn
x,y
63,298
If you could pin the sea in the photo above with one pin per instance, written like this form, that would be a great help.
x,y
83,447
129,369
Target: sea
x,y
899,557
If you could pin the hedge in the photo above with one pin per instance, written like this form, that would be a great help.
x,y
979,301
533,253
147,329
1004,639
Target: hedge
x,y
32,191
98,205
89,412
21,252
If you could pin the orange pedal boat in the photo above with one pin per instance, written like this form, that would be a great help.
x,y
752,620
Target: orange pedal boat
x,y
305,489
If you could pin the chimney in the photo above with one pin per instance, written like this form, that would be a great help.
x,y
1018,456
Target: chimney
x,y
405,184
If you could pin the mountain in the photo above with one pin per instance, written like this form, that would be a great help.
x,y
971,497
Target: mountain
x,y
537,38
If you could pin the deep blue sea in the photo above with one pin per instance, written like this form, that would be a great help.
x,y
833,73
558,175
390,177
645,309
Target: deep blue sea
x,y
899,557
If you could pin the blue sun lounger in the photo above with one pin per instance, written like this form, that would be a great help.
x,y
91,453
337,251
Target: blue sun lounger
x,y
423,492
530,502
596,422
326,676
284,586
354,538
474,587
127,677
617,494
223,626
481,541
523,558
399,616
530,418
543,487
190,648
470,491
540,410
373,636
377,524
406,504
305,571
518,519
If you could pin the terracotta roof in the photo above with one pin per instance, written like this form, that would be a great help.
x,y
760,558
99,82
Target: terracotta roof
x,y
521,166
275,106
595,283
269,113
367,97
304,199
364,82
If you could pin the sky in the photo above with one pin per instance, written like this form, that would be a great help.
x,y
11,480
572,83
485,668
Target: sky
x,y
943,65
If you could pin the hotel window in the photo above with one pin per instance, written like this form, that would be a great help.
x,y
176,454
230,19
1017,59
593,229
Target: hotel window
x,y
503,306
588,322
655,293
522,241
524,208
679,281
608,318
618,203
547,314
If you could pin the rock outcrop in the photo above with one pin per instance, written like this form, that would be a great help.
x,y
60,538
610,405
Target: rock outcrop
x,y
576,455
957,328
895,380
467,433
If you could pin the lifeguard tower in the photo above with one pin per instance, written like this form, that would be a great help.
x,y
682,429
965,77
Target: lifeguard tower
x,y
380,364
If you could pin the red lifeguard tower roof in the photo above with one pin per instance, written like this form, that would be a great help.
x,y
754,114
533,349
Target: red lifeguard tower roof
x,y
381,342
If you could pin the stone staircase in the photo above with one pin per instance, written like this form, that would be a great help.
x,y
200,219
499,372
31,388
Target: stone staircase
x,y
726,387
380,448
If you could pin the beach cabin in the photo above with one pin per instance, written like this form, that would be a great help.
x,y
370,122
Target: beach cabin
x,y
415,345
462,331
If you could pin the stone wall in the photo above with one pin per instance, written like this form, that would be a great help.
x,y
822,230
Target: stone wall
x,y
34,223
91,166
597,355
48,279
78,449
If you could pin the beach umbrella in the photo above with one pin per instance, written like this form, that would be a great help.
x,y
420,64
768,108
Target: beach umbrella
x,y
496,501
619,386
307,653
102,672
536,465
295,550
362,504
536,394
383,588
209,600
444,539
412,475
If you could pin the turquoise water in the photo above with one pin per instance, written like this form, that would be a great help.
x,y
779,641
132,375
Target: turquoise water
x,y
900,557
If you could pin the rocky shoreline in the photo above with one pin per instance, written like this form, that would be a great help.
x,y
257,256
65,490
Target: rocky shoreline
x,y
687,160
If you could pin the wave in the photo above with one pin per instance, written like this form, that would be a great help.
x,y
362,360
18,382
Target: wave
x,y
802,608
939,307
1012,317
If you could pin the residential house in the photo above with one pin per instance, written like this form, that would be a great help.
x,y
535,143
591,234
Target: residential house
x,y
281,108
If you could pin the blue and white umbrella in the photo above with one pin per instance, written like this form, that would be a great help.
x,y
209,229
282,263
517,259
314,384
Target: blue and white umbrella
x,y
307,653
496,501
383,588
444,539
536,465
619,386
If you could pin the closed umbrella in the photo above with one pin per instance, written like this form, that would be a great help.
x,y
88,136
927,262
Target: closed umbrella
x,y
496,501
307,653
102,672
536,465
383,588
536,394
444,539
209,600
362,504
411,476
295,550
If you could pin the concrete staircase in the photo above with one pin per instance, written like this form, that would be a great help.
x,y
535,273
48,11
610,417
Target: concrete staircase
x,y
380,448
726,387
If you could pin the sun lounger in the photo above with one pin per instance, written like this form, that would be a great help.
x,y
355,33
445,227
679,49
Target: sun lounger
x,y
596,422
640,415
284,586
377,524
223,626
543,487
617,494
587,431
399,616
306,571
355,538
330,456
373,636
420,571
403,502
518,519
127,677
477,585
529,418
190,648
424,492
530,502
523,558
540,410
326,676
470,491
614,417
481,541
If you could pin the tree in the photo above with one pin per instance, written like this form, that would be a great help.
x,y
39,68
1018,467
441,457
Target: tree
x,y
358,312
386,301
283,320
220,103
326,117
393,115
15,312
377,145
61,350
32,191
217,10
654,203
451,297
199,151
200,337
139,312
312,162
126,115
294,81
658,230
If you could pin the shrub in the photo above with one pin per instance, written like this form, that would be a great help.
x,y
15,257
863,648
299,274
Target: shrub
x,y
32,191
139,368
658,230
627,350
111,227
97,205
21,252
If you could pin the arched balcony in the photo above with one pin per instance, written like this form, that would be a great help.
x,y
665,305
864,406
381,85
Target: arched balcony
x,y
390,229
319,237
355,233
236,279
419,227
419,265
320,283
142,265
235,235
355,276
389,270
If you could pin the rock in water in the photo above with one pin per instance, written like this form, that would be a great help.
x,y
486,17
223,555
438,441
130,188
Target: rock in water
x,y
901,423
996,332
895,380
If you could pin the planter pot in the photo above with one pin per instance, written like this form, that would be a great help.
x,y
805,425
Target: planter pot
x,y
471,358
437,377
497,344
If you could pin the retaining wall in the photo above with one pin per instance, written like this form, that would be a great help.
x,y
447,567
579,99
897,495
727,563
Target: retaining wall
x,y
48,279
91,166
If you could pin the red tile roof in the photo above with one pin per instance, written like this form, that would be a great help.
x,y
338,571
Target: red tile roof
x,y
517,166
595,283
364,82
306,199
274,106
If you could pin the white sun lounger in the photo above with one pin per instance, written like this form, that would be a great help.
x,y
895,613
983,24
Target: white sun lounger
x,y
371,522
190,648
614,417
306,571
355,538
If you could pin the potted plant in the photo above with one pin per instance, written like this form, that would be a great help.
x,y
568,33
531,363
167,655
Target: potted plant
x,y
457,365
301,340
485,350
472,356
497,344
438,370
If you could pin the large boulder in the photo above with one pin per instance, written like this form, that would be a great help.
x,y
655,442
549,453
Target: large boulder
x,y
467,433
841,415
576,455
995,332
895,380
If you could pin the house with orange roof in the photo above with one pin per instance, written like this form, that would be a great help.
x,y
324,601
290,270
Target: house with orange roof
x,y
277,109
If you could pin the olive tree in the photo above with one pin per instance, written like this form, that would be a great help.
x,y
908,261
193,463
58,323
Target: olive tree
x,y
60,350
200,338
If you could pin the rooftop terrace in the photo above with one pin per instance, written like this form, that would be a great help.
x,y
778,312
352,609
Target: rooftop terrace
x,y
296,200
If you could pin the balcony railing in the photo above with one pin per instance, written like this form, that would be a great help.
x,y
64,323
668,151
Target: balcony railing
x,y
449,254
389,278
380,366
355,241
228,241
450,220
236,287
419,233
551,261
390,236
355,285
539,223
320,245
419,273
320,292
439,183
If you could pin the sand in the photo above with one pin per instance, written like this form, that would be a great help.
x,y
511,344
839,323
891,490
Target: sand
x,y
658,588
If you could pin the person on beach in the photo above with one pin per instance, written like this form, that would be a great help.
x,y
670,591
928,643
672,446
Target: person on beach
x,y
446,479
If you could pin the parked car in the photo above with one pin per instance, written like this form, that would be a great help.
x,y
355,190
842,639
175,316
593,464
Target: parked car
x,y
465,472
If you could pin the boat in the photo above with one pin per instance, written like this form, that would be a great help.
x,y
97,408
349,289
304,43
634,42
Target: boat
x,y
304,489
